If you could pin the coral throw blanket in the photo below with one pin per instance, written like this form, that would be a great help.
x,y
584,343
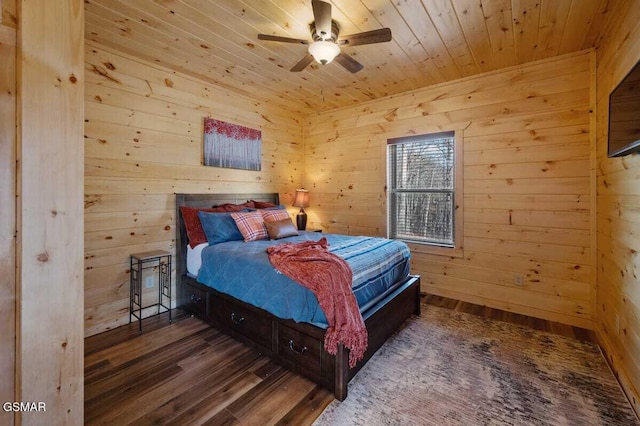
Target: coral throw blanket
x,y
329,277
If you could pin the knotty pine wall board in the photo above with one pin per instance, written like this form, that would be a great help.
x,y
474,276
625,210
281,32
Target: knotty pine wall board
x,y
49,210
464,271
8,14
143,139
143,80
7,209
537,202
440,98
530,232
526,182
617,316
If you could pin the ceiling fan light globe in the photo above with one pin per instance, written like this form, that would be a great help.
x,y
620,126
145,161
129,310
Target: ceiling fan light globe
x,y
324,51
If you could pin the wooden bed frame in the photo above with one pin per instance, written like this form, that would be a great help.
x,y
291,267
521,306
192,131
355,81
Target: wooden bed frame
x,y
297,346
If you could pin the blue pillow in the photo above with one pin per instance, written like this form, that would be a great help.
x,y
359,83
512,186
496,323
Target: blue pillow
x,y
279,207
220,227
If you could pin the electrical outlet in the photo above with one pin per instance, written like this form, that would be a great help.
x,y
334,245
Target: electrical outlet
x,y
518,279
148,282
617,324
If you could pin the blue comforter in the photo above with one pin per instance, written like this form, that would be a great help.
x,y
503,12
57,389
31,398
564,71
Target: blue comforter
x,y
243,270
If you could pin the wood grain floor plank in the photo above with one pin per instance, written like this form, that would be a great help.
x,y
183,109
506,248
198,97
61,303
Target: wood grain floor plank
x,y
173,351
98,407
146,342
101,341
159,339
267,369
272,399
308,409
276,405
209,370
100,378
225,418
96,369
208,408
268,385
118,376
201,403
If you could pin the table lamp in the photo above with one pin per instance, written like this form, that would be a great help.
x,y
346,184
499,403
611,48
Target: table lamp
x,y
302,201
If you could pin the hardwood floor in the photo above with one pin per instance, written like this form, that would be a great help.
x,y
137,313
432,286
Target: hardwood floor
x,y
500,315
189,373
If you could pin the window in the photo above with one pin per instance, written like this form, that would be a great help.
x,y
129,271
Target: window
x,y
424,185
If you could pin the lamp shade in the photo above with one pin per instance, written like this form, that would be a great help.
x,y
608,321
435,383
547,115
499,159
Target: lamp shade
x,y
302,198
324,51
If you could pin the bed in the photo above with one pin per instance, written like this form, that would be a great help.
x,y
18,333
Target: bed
x,y
297,345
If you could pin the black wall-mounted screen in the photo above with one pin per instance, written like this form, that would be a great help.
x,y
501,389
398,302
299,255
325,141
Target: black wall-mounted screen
x,y
624,115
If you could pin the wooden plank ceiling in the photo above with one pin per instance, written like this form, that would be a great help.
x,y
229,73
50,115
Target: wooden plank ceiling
x,y
433,41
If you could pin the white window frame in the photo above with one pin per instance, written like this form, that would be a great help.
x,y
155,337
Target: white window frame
x,y
457,249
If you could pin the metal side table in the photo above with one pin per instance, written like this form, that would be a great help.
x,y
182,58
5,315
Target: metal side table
x,y
161,260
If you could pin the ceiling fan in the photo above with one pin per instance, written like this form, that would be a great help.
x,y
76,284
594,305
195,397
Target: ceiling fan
x,y
325,44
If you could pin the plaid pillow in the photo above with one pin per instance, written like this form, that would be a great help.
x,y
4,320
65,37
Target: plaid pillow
x,y
251,225
273,215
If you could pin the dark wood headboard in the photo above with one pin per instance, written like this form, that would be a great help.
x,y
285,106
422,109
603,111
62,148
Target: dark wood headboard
x,y
204,201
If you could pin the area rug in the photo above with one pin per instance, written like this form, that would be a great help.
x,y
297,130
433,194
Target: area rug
x,y
451,368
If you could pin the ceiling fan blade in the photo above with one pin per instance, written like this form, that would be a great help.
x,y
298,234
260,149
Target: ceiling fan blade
x,y
369,37
302,64
282,39
348,62
322,18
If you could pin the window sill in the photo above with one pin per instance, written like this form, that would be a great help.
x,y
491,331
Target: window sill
x,y
436,250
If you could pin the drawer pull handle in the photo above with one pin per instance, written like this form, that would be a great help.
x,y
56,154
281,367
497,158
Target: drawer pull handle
x,y
292,346
235,318
196,299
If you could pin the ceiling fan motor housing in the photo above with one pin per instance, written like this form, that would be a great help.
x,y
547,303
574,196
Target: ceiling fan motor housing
x,y
335,31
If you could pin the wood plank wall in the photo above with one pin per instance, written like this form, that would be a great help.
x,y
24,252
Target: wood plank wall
x,y
49,248
527,194
7,210
618,209
143,142
8,15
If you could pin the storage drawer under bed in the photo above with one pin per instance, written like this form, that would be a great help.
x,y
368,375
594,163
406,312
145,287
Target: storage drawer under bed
x,y
243,321
195,301
303,350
